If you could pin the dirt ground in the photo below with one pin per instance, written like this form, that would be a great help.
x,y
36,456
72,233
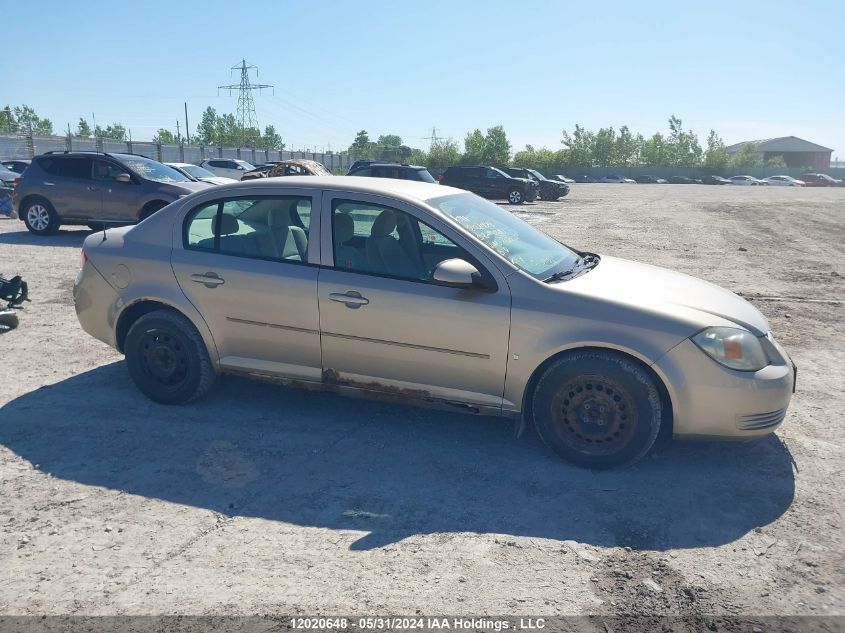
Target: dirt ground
x,y
262,499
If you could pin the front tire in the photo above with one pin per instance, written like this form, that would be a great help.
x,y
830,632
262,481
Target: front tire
x,y
40,217
597,409
167,358
515,196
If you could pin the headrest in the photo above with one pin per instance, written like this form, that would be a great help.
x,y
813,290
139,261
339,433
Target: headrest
x,y
384,225
279,215
228,225
344,227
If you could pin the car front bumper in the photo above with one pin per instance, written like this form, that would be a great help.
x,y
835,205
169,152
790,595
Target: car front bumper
x,y
710,400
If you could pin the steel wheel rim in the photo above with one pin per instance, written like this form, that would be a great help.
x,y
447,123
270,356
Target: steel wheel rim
x,y
594,415
164,358
38,217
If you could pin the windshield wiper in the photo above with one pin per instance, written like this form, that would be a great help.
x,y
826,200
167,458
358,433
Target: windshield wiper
x,y
563,274
581,264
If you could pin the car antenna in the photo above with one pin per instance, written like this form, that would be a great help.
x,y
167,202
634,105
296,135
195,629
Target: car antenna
x,y
97,151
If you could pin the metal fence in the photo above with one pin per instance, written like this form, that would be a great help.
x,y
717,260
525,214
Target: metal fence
x,y
25,146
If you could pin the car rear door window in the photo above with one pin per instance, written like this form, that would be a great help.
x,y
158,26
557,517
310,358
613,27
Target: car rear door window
x,y
71,167
274,228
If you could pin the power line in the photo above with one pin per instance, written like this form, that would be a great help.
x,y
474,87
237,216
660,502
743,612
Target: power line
x,y
246,104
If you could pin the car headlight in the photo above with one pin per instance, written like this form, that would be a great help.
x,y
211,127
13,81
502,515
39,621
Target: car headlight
x,y
732,347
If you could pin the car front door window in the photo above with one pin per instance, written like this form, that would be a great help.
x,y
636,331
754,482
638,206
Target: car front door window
x,y
380,240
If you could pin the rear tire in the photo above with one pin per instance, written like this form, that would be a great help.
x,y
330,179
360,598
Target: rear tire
x,y
597,409
515,196
167,358
40,217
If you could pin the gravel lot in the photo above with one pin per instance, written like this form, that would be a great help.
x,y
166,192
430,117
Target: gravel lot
x,y
262,499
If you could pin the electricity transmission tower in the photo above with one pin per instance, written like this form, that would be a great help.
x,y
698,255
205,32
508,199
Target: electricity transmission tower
x,y
433,138
246,105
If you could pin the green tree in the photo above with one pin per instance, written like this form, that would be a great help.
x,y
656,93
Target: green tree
x,y
684,149
27,120
443,153
474,148
8,123
207,127
628,147
271,138
362,147
389,140
497,149
164,136
655,152
776,161
604,147
114,131
83,130
715,158
579,148
747,156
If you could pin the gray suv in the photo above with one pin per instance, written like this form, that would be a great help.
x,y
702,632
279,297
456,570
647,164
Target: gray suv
x,y
95,189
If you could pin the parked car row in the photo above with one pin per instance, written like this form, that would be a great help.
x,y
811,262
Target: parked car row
x,y
514,184
806,180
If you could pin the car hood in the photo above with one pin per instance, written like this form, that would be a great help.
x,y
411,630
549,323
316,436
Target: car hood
x,y
184,188
672,294
218,180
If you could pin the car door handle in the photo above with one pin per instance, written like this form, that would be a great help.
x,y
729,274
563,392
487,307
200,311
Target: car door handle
x,y
92,188
352,299
49,184
210,280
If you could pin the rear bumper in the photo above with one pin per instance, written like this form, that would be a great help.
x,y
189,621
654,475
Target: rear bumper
x,y
95,302
710,400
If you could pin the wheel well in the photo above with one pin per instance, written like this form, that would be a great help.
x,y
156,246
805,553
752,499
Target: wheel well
x,y
134,312
30,198
152,204
666,423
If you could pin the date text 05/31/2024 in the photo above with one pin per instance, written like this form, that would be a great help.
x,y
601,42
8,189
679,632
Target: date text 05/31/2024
x,y
423,623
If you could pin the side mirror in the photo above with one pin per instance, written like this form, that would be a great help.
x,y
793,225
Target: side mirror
x,y
456,273
124,178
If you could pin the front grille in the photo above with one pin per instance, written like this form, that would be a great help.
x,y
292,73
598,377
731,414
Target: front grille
x,y
759,421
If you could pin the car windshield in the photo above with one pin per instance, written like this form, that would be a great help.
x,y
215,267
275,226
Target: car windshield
x,y
196,172
245,165
536,174
152,170
517,241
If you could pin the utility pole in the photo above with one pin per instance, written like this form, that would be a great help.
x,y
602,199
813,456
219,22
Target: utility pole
x,y
187,129
246,104
178,133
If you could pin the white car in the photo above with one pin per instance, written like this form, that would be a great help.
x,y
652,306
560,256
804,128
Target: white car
x,y
612,178
745,180
783,181
228,167
200,173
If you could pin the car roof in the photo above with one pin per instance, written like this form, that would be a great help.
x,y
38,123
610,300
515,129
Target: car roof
x,y
413,189
180,164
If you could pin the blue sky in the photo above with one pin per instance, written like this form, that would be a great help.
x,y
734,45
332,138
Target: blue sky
x,y
748,69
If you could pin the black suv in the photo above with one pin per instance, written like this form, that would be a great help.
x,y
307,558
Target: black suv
x,y
491,182
549,189
400,171
96,189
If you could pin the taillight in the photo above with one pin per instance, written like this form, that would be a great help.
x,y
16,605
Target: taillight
x,y
84,256
17,181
